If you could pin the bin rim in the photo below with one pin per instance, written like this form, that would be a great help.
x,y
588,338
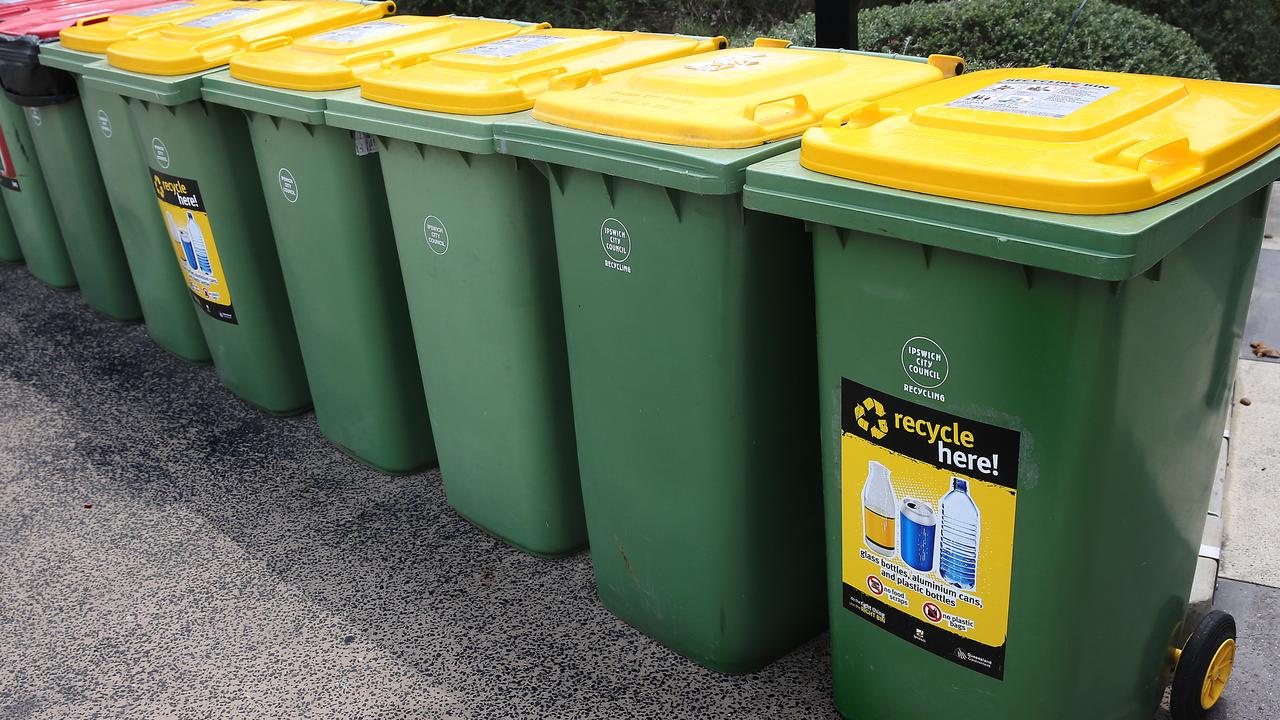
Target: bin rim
x,y
164,89
1113,247
464,133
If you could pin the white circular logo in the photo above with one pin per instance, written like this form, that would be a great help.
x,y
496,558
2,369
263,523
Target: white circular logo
x,y
160,151
288,187
35,116
104,122
924,361
616,240
437,236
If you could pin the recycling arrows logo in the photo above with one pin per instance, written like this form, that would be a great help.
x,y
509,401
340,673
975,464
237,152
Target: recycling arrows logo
x,y
869,415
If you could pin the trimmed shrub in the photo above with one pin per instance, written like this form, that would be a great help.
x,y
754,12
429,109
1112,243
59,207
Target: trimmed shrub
x,y
1242,36
1008,33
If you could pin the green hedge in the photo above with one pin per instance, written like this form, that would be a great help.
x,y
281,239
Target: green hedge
x,y
1242,36
704,16
1006,33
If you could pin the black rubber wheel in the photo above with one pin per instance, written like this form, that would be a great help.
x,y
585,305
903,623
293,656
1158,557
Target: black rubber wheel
x,y
1203,667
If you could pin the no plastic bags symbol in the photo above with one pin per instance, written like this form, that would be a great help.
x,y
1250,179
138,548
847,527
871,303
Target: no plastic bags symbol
x,y
880,428
35,116
874,585
104,123
932,612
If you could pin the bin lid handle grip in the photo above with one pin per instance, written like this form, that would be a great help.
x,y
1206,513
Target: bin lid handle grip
x,y
576,80
547,73
859,113
801,108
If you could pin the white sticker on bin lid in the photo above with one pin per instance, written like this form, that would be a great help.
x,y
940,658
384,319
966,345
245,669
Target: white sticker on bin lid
x,y
220,18
158,9
356,33
744,61
1041,98
512,46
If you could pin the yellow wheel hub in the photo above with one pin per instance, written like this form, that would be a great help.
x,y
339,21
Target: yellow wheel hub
x,y
1219,672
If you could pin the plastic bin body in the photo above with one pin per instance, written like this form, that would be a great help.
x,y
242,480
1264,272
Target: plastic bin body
x,y
1033,331
26,199
80,205
162,292
689,324
66,230
325,196
194,149
477,252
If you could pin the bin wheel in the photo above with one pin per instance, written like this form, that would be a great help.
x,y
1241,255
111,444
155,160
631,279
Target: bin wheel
x,y
1204,667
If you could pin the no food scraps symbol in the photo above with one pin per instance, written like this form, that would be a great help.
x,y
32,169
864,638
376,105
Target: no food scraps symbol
x,y
874,584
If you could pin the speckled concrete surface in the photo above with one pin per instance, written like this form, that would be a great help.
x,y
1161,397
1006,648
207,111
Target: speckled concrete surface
x,y
235,565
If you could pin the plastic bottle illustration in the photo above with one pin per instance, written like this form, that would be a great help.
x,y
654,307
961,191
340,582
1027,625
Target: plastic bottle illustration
x,y
958,548
180,236
196,235
879,510
919,528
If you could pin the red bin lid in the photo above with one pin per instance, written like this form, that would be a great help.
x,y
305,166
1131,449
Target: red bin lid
x,y
44,19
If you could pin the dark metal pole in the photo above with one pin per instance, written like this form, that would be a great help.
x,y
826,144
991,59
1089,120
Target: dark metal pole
x,y
837,23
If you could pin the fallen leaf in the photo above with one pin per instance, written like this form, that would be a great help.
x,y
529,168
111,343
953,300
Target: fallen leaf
x,y
1261,349
88,506
1246,402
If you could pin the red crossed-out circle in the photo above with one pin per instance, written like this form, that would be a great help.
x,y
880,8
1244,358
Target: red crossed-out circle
x,y
875,585
932,612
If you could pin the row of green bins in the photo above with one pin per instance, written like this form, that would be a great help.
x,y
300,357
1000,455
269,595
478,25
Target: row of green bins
x,y
162,293
199,161
324,194
474,236
65,234
10,250
1031,286
689,324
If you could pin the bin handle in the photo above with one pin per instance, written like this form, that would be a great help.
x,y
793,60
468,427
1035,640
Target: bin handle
x,y
801,108
94,20
858,113
400,63
369,57
536,74
270,43
767,42
574,81
1162,158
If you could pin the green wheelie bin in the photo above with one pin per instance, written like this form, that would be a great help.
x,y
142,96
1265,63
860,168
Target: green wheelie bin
x,y
690,335
205,182
324,193
473,231
166,304
63,223
1031,286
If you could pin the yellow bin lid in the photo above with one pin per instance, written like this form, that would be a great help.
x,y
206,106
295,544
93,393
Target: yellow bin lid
x,y
734,98
95,34
506,75
210,40
1070,141
336,59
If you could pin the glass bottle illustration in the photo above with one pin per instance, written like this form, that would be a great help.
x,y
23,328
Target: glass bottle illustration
x,y
196,236
879,510
958,547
